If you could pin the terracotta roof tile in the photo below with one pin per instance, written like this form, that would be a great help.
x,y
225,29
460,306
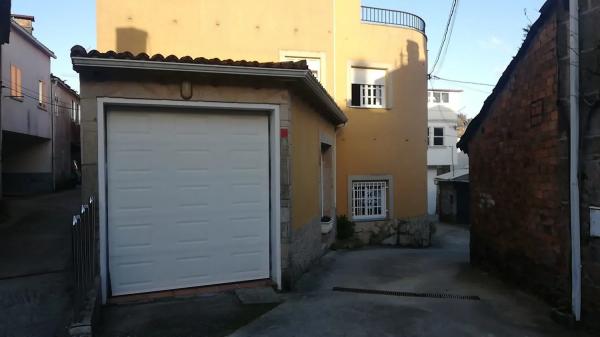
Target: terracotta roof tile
x,y
79,51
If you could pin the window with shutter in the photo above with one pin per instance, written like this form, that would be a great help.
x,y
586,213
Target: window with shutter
x,y
368,87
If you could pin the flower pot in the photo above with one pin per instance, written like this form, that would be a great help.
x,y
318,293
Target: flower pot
x,y
326,227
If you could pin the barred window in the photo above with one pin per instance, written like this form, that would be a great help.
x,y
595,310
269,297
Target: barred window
x,y
369,199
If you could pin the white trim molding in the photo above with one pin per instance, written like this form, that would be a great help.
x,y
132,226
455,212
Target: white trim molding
x,y
299,54
103,105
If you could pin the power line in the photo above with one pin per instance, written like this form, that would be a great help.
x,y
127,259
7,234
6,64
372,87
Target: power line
x,y
35,92
447,33
443,58
463,82
38,100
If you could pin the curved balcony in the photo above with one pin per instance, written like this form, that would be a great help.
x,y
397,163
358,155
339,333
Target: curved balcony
x,y
392,17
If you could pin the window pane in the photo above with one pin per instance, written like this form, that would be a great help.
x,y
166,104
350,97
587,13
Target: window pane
x,y
438,132
40,92
445,97
437,97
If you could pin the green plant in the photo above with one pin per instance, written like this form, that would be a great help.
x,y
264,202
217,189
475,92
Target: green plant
x,y
345,228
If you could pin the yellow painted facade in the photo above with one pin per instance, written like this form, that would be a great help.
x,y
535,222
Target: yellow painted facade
x,y
383,141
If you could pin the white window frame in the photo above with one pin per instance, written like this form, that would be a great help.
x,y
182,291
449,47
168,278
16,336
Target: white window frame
x,y
41,94
298,55
440,94
372,96
384,182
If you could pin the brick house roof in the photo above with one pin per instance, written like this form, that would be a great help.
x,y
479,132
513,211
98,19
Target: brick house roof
x,y
545,13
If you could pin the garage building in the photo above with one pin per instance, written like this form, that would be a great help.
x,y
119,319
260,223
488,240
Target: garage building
x,y
207,172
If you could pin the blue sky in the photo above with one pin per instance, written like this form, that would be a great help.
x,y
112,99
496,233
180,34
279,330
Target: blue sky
x,y
487,34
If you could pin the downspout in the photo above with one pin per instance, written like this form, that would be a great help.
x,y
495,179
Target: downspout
x,y
574,158
52,154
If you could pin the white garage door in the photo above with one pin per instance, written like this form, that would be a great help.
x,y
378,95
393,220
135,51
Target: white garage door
x,y
188,199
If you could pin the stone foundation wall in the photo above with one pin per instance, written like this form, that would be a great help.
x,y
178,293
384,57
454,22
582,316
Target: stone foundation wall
x,y
414,233
304,248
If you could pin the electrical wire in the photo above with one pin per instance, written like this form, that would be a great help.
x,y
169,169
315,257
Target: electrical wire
x,y
35,92
443,57
38,100
463,82
447,32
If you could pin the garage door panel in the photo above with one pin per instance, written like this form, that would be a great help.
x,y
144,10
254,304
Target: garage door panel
x,y
200,182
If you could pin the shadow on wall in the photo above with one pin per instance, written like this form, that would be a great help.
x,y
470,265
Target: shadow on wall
x,y
132,40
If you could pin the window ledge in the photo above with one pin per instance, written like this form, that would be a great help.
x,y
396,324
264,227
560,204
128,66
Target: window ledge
x,y
370,219
16,98
42,107
368,108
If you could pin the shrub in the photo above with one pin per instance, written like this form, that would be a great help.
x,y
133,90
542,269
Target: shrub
x,y
345,228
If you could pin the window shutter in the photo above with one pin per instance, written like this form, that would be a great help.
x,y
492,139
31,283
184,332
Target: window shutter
x,y
355,94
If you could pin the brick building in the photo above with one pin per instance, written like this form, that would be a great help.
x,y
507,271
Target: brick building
x,y
519,150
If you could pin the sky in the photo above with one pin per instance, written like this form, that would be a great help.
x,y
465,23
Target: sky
x,y
487,34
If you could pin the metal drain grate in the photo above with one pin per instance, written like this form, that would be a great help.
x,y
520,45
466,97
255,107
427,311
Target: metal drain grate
x,y
407,294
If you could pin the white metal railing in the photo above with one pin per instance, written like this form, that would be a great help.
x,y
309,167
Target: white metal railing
x,y
369,199
372,96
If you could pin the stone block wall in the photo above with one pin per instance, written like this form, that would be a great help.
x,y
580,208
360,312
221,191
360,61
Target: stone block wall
x,y
520,226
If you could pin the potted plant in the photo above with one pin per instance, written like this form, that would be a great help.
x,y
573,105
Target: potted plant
x,y
326,224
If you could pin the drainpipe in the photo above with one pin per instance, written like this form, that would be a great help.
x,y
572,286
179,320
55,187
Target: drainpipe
x,y
52,154
574,158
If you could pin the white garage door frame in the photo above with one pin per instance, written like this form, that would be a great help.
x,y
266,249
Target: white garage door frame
x,y
105,103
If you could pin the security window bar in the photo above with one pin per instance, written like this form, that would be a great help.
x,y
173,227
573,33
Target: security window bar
x,y
368,95
438,136
369,200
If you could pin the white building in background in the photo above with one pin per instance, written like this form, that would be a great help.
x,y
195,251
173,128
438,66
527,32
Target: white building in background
x,y
442,154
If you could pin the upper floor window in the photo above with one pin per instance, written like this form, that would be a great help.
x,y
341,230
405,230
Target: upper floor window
x,y
41,95
368,87
438,136
15,83
314,64
439,97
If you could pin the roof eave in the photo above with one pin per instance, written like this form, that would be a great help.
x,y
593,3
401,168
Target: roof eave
x,y
32,39
303,75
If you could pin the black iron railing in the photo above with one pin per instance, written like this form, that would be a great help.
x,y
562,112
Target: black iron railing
x,y
85,252
392,17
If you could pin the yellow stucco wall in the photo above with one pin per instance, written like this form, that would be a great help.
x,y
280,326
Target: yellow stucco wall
x,y
383,141
375,141
308,128
227,29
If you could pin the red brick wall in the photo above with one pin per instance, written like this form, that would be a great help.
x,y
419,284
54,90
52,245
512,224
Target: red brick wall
x,y
519,225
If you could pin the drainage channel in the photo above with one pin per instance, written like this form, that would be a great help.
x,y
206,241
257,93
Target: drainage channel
x,y
407,294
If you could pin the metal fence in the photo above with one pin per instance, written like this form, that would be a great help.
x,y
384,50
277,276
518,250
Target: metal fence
x,y
85,254
392,17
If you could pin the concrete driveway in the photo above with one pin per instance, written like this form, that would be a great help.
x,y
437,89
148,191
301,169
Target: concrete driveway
x,y
316,310
35,264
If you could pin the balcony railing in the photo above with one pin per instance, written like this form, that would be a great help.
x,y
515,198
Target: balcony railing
x,y
392,17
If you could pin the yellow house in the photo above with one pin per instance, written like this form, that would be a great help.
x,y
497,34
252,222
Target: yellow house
x,y
213,171
372,62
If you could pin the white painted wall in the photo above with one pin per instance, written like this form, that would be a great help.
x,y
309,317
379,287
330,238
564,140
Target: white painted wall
x,y
25,116
443,115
